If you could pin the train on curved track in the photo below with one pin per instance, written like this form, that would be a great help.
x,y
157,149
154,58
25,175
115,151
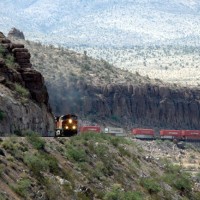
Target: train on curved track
x,y
67,125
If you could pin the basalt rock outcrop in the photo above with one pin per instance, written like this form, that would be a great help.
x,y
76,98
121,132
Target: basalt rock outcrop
x,y
16,33
21,113
133,105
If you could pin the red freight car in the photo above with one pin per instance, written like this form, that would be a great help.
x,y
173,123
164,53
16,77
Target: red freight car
x,y
145,134
171,134
191,134
84,129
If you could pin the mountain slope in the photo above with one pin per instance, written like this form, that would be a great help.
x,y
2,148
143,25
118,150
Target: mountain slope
x,y
89,167
107,23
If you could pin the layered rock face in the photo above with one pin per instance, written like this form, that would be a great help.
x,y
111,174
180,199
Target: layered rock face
x,y
132,106
20,114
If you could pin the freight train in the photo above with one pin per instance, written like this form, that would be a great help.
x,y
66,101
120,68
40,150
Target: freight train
x,y
147,134
67,125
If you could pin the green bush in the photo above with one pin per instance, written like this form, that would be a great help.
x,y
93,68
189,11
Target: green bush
x,y
35,139
117,193
52,189
2,115
2,168
9,60
76,154
115,141
98,170
36,164
101,150
22,186
2,50
178,179
40,162
10,145
151,185
124,152
51,161
183,183
21,90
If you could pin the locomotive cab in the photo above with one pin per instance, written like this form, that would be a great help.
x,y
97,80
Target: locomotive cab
x,y
66,125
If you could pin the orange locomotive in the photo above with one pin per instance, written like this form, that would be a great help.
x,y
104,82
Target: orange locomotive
x,y
66,125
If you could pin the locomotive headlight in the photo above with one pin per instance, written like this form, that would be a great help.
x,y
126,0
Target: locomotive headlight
x,y
67,127
70,121
73,127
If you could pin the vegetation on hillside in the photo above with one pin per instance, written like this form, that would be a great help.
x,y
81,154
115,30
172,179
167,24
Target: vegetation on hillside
x,y
57,63
88,166
170,63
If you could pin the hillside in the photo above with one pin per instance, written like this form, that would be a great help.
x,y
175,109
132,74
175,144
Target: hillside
x,y
102,94
106,22
170,63
90,167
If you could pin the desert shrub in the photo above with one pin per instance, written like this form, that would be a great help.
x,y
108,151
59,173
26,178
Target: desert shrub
x,y
85,67
117,193
82,196
40,162
52,189
115,141
178,179
68,188
2,50
21,90
10,145
76,153
35,139
22,186
124,152
170,168
101,150
150,184
9,60
2,168
18,132
183,183
2,115
100,170
51,161
198,176
35,163
132,195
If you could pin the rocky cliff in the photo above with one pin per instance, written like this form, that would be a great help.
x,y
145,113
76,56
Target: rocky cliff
x,y
23,94
144,105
